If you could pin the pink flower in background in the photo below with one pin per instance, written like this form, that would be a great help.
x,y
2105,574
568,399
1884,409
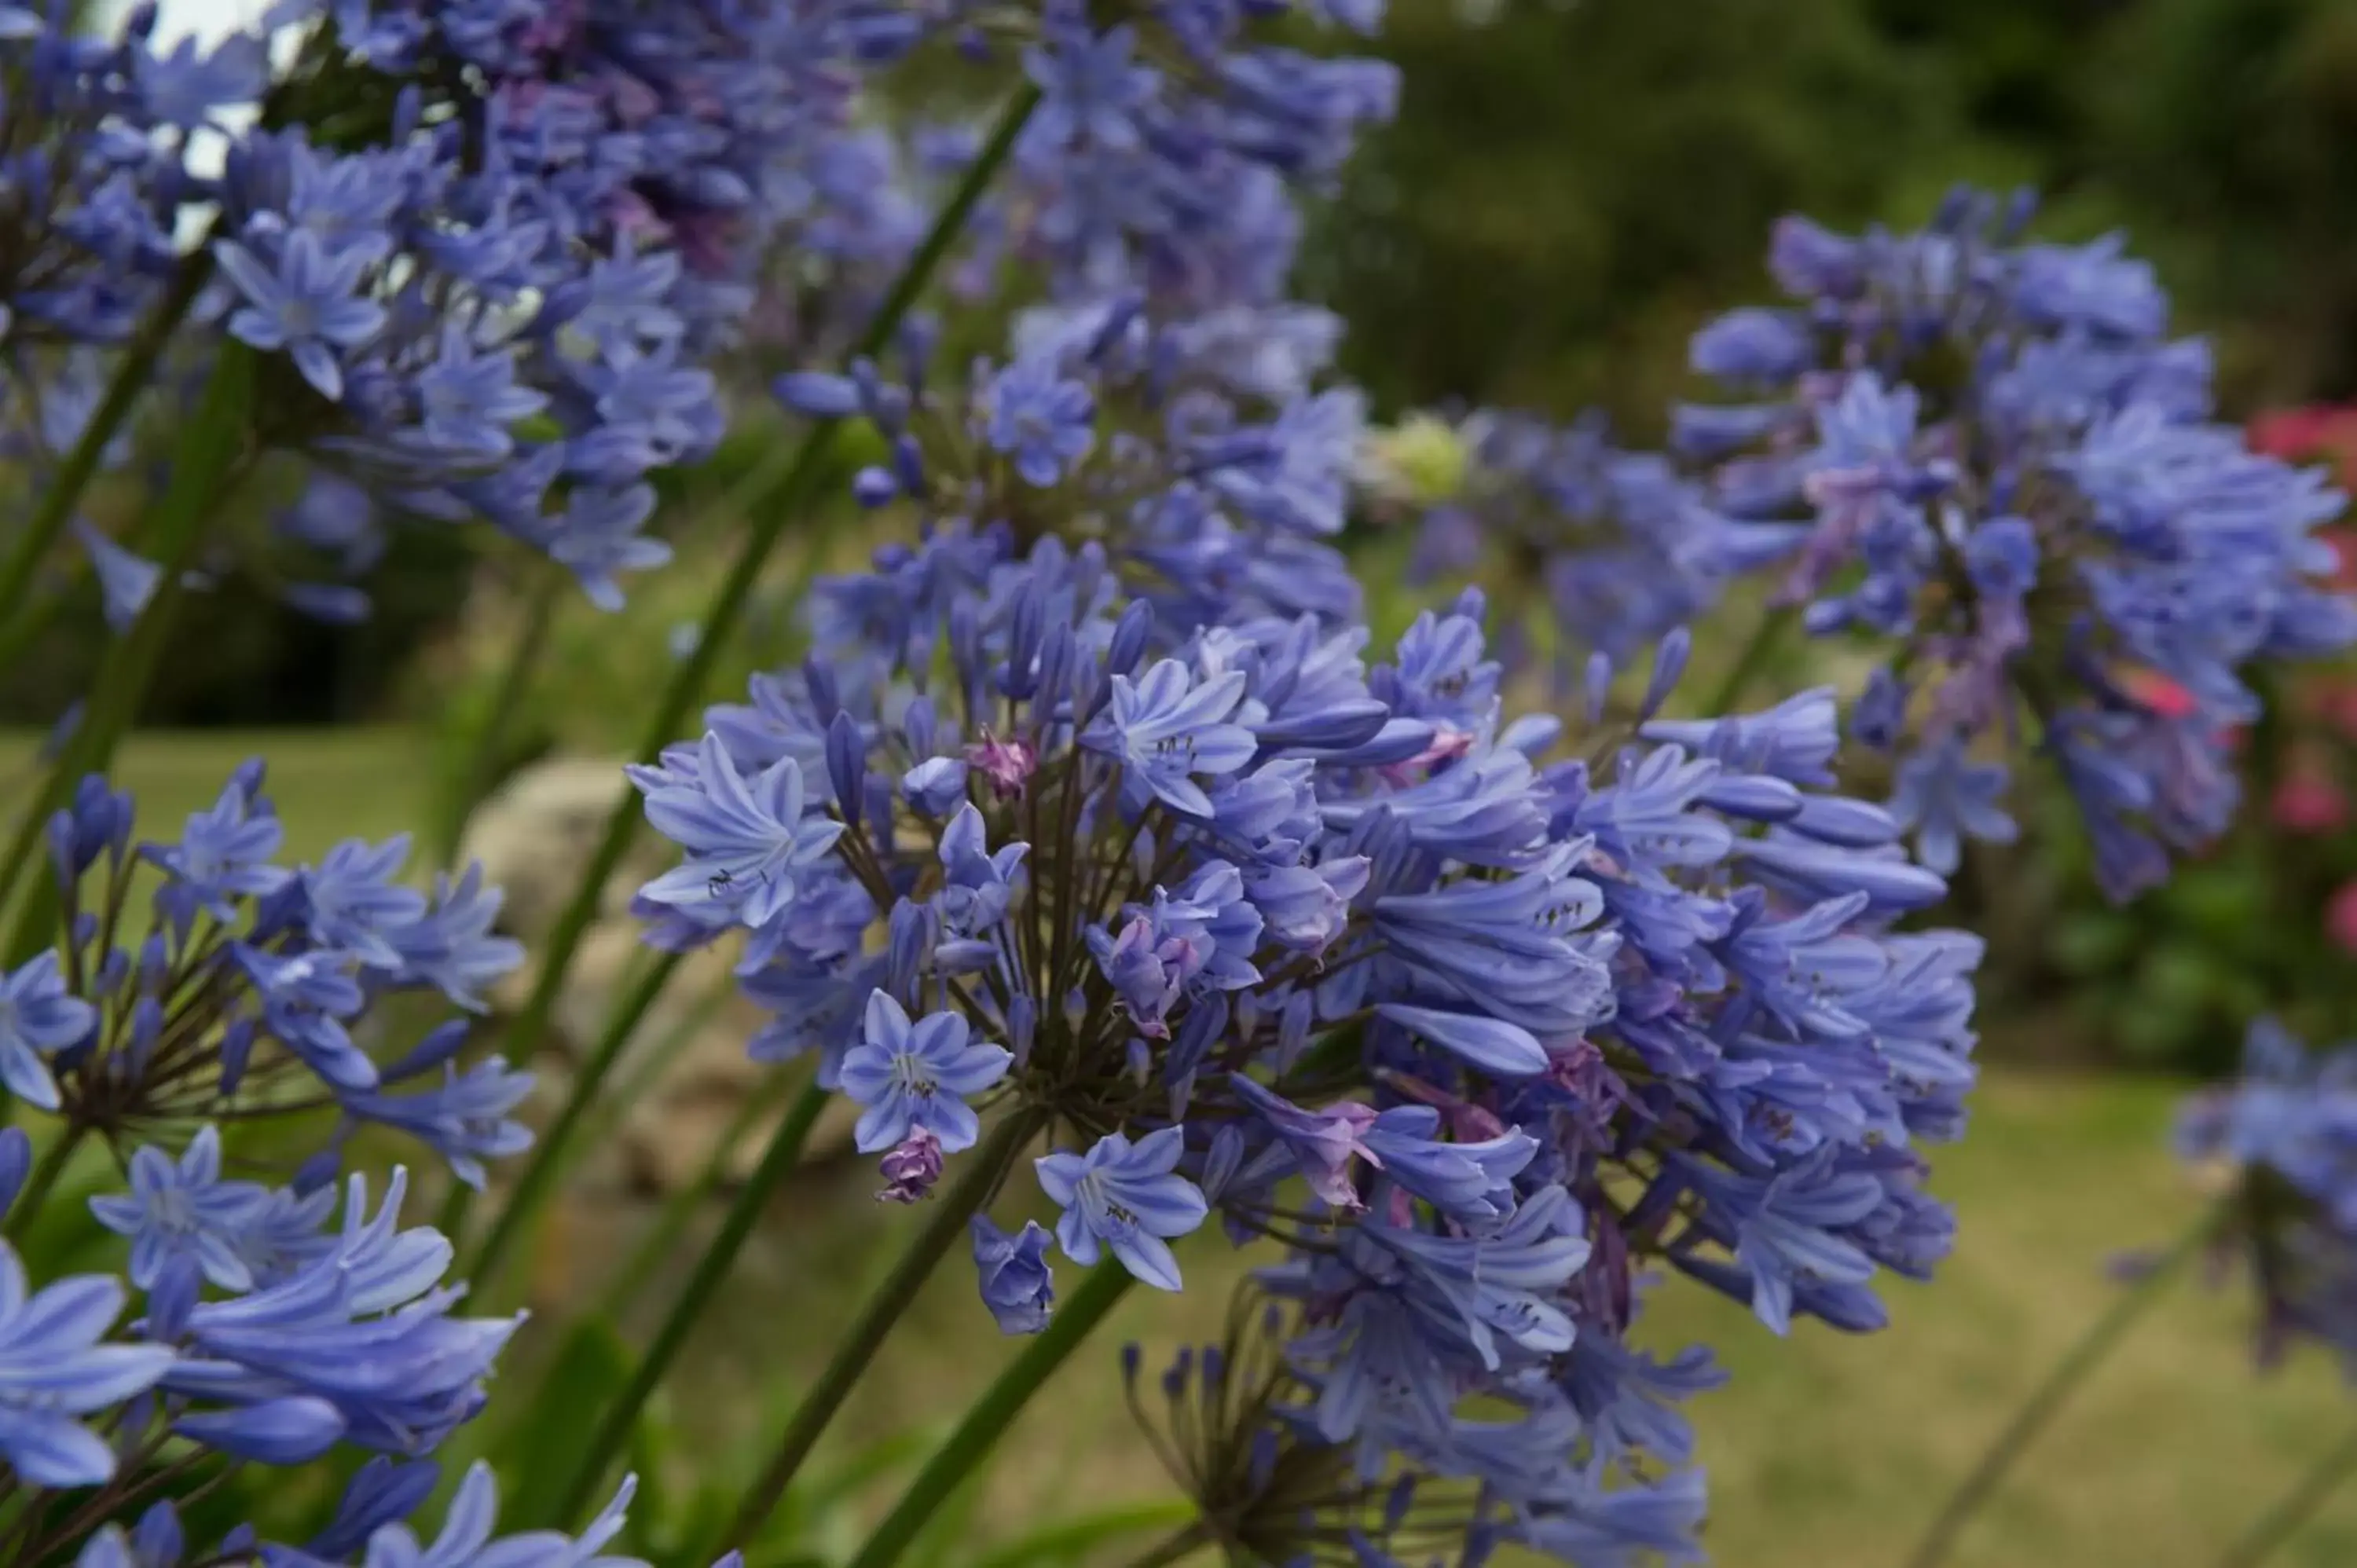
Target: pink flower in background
x,y
2318,433
2308,803
2340,916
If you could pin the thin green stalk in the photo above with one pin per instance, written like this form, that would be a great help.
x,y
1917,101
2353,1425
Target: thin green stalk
x,y
52,1164
776,488
1765,636
533,1186
1070,1539
644,1265
621,1417
2276,1527
55,508
480,768
2101,1337
992,1415
985,1168
642,1079
1172,1550
210,451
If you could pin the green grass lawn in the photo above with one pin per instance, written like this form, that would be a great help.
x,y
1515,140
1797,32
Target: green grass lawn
x,y
329,784
1824,1452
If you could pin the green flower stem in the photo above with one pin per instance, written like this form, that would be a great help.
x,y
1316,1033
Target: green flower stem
x,y
2101,1337
1757,649
55,508
994,1412
2276,1527
985,1168
645,1263
539,1175
211,454
641,1081
480,768
1176,1548
621,1418
773,494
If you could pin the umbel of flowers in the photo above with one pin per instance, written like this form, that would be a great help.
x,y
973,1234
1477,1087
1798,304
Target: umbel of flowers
x,y
2286,1134
487,252
254,1324
1986,453
1466,1025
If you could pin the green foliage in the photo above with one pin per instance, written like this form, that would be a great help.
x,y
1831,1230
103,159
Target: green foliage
x,y
2224,126
1569,189
546,1440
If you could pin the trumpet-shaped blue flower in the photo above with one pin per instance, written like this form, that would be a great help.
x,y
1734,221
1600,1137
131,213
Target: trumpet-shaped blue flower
x,y
1016,1283
1042,422
1169,728
748,843
366,1328
183,1211
1944,798
306,306
451,946
466,1118
467,1538
353,904
54,1368
919,1075
38,1018
223,855
1125,1197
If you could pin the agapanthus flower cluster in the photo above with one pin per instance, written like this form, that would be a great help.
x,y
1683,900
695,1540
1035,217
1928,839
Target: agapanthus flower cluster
x,y
2008,474
1611,550
2286,1132
1468,1028
488,250
246,989
255,1329
372,1525
1163,156
504,311
266,1332
1103,424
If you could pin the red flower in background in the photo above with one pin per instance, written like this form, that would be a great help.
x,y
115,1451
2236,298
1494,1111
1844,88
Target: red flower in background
x,y
2318,433
2308,803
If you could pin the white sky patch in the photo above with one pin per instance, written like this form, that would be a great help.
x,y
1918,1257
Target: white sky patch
x,y
210,20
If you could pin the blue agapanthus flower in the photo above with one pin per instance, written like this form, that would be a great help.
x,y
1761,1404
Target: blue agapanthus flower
x,y
751,837
920,1075
1018,1285
1127,1198
1171,728
182,1211
56,1370
1043,422
38,1018
364,1334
